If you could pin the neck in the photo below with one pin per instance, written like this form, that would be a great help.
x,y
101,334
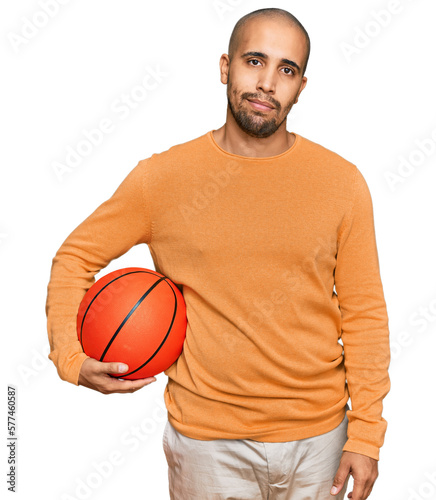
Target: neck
x,y
233,139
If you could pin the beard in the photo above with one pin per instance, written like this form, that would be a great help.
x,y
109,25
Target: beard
x,y
255,123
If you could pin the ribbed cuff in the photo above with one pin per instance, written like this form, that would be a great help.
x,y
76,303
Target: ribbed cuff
x,y
70,370
363,448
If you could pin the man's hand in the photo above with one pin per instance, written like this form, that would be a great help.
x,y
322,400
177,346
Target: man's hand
x,y
364,471
95,375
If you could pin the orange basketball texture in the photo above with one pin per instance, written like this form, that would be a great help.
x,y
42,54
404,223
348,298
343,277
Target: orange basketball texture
x,y
136,316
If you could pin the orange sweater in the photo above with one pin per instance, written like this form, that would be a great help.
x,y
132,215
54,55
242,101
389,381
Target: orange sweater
x,y
277,260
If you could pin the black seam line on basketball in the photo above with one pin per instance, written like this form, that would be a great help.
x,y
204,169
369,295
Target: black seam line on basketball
x,y
99,292
163,341
107,284
128,316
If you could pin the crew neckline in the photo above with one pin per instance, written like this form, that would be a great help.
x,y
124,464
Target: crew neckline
x,y
253,158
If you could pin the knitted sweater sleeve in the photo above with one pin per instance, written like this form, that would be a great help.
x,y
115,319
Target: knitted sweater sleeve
x,y
111,230
365,332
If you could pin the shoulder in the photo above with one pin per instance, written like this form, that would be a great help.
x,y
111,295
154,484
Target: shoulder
x,y
330,169
320,153
180,151
175,164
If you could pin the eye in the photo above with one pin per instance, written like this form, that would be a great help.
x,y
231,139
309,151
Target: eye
x,y
253,60
291,72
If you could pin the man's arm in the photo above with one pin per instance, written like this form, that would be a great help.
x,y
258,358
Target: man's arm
x,y
365,332
365,336
111,230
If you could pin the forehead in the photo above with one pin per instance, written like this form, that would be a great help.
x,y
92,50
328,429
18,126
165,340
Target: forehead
x,y
276,37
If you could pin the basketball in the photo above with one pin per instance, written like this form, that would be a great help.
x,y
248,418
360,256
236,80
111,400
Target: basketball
x,y
135,316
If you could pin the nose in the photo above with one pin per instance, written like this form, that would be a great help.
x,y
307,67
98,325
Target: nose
x,y
267,81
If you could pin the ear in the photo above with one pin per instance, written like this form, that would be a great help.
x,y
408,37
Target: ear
x,y
303,84
224,68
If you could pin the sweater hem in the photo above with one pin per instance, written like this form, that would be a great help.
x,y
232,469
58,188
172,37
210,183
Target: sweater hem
x,y
270,436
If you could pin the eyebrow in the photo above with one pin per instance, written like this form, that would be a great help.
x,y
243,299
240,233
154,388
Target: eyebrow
x,y
265,56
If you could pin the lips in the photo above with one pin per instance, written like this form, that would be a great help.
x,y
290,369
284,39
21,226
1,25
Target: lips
x,y
264,105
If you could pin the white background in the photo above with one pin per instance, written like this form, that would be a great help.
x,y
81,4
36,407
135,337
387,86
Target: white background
x,y
370,107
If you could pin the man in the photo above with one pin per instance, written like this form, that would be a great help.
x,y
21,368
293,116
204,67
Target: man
x,y
271,238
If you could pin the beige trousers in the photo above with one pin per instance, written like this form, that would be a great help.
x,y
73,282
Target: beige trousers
x,y
244,469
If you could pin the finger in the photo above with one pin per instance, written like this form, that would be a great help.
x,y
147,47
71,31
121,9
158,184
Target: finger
x,y
358,489
339,480
140,382
366,490
114,367
124,386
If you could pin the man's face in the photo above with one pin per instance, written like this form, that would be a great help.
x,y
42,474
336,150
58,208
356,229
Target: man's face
x,y
263,75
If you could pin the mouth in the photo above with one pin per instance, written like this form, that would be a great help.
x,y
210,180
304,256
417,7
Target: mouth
x,y
260,105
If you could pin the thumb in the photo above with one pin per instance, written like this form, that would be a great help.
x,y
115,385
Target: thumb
x,y
339,480
115,367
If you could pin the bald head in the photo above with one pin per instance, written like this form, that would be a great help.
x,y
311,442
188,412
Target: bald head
x,y
273,14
